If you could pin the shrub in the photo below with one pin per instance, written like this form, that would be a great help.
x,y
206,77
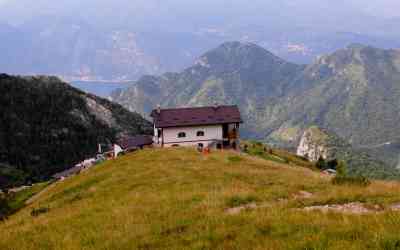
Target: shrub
x,y
41,210
4,209
332,164
321,163
358,181
392,243
237,201
341,169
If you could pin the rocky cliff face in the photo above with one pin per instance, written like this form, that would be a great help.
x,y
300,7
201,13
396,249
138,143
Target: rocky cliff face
x,y
314,145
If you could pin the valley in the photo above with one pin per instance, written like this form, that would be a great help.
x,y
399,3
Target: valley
x,y
101,89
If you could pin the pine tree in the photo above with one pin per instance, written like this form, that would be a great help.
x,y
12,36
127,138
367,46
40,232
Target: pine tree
x,y
341,169
321,163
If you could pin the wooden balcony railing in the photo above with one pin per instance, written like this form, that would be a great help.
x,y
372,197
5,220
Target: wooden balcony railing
x,y
232,135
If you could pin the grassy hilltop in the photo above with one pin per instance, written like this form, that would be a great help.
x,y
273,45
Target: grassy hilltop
x,y
180,199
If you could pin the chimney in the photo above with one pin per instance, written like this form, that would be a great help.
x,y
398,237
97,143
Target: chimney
x,y
216,105
158,109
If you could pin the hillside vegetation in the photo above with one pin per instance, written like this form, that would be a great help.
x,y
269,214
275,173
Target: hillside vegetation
x,y
181,199
47,126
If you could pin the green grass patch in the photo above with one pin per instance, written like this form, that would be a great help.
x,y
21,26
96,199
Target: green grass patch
x,y
11,203
77,192
237,201
280,156
17,201
235,159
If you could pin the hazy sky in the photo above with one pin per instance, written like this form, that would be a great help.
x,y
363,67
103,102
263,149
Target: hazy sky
x,y
338,14
383,8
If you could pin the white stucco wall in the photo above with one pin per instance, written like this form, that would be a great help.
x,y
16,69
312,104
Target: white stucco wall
x,y
156,139
211,134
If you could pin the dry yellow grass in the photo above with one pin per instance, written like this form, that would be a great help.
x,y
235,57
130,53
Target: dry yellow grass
x,y
178,198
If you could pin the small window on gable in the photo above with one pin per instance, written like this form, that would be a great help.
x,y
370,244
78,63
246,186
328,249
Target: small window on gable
x,y
200,133
181,135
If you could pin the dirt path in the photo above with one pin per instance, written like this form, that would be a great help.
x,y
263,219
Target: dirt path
x,y
38,195
301,195
348,208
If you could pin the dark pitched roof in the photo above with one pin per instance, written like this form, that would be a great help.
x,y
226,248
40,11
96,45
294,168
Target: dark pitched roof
x,y
196,116
135,141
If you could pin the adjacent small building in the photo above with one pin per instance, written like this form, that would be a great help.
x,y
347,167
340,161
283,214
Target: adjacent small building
x,y
129,144
213,127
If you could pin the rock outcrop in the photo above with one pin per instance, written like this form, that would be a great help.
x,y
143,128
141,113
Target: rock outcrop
x,y
314,144
319,143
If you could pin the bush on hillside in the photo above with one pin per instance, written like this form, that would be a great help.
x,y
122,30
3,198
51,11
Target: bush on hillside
x,y
341,169
237,201
41,210
346,180
4,208
332,164
321,163
341,177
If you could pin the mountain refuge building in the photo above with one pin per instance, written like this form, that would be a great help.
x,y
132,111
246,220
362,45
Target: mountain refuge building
x,y
212,127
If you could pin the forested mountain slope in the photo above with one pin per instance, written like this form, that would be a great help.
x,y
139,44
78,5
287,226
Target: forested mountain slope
x,y
46,126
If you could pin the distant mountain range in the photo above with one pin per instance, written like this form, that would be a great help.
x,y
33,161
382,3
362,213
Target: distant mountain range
x,y
47,126
74,51
75,48
354,92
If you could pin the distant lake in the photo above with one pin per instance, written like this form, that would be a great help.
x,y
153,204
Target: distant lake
x,y
102,89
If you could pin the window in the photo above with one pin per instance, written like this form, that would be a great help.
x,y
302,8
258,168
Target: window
x,y
159,133
200,133
182,135
200,145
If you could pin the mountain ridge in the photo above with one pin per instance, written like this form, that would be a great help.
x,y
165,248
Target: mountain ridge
x,y
353,92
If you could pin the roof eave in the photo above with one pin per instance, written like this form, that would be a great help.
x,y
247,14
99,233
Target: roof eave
x,y
199,124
